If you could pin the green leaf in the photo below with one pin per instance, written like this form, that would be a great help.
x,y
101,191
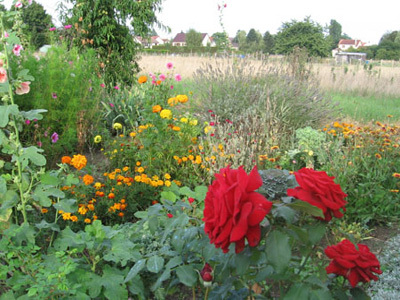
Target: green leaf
x,y
139,265
5,111
201,192
175,261
122,250
316,233
278,251
296,292
141,214
49,178
187,275
136,287
67,205
164,276
32,153
33,114
9,200
3,186
4,87
71,180
43,192
168,195
307,208
187,192
155,264
113,282
359,294
285,212
44,225
242,263
320,294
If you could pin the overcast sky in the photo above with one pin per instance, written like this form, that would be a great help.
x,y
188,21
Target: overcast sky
x,y
359,19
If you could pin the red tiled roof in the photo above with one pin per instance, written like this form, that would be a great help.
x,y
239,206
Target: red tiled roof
x,y
347,42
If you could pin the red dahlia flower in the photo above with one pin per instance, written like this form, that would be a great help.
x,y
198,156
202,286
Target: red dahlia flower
x,y
233,210
355,265
318,189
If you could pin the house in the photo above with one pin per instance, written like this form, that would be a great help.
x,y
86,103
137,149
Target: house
x,y
348,57
180,40
150,41
347,44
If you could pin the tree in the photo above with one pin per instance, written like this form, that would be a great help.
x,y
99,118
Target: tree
x,y
37,23
335,33
254,41
269,43
103,25
221,40
240,38
193,38
306,34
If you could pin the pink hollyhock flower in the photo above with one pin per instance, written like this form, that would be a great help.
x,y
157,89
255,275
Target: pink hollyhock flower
x,y
17,49
23,88
170,65
52,29
162,77
102,85
6,35
171,87
18,4
27,122
67,26
178,77
116,87
54,137
3,75
39,144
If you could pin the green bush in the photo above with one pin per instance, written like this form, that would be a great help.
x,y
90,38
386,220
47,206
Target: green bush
x,y
67,88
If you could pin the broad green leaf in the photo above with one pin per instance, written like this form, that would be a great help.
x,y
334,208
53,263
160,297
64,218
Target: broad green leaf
x,y
68,238
359,294
187,192
136,287
155,264
307,208
168,195
2,138
139,265
4,87
5,215
242,263
316,233
32,153
320,294
43,192
173,262
5,111
296,292
7,296
71,180
122,250
278,251
33,114
44,225
187,275
3,186
67,205
113,282
140,214
164,276
96,229
201,192
285,212
9,200
25,233
49,179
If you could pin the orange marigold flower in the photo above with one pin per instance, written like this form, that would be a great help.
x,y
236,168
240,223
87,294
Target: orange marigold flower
x,y
95,217
66,216
66,159
88,221
79,161
111,196
122,201
394,191
182,98
74,218
90,207
123,206
121,214
82,210
45,210
126,168
154,202
172,101
397,175
176,128
378,156
142,79
88,179
274,147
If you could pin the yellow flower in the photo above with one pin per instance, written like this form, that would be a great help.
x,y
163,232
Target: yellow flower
x,y
207,129
172,101
157,108
184,120
66,216
193,122
141,170
132,134
166,114
79,161
167,183
117,126
82,210
74,218
88,221
97,185
97,139
176,128
182,98
167,176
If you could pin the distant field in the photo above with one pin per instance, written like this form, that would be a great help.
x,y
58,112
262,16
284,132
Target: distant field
x,y
367,93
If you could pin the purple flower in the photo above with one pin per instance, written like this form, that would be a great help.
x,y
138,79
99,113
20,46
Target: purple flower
x,y
52,29
54,95
27,122
54,137
67,26
90,89
45,133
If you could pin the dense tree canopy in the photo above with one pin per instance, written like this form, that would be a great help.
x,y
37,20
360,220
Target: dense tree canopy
x,y
304,34
104,26
193,38
269,42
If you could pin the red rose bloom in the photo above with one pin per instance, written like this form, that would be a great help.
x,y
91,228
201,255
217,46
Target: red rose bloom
x,y
355,265
205,273
233,210
318,189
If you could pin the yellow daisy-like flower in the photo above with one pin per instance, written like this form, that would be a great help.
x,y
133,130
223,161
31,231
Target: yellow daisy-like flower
x,y
207,129
167,176
97,185
141,170
132,134
97,139
166,114
182,98
82,210
193,122
172,101
184,120
167,183
117,126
